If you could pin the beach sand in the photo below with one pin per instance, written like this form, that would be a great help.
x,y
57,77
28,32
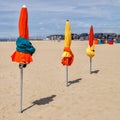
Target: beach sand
x,y
93,96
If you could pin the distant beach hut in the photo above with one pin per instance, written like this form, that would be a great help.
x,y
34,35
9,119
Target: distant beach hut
x,y
100,41
117,41
105,41
110,41
95,41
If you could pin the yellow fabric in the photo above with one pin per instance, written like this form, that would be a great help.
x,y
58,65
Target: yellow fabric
x,y
66,54
90,51
67,41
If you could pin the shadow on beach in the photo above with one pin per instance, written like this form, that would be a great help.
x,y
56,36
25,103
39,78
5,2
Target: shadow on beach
x,y
74,81
95,71
41,101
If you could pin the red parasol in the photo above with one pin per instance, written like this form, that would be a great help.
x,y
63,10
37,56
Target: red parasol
x,y
90,49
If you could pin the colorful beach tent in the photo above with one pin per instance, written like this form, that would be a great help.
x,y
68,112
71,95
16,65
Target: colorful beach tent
x,y
90,49
67,56
24,48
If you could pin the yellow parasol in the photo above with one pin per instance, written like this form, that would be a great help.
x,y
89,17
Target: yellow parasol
x,y
67,56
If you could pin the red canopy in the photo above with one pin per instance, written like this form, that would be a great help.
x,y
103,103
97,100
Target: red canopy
x,y
91,36
23,23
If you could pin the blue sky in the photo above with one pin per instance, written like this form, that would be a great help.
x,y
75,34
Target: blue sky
x,y
49,16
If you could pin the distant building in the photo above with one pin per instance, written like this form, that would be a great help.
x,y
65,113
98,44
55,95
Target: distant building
x,y
55,37
83,36
75,36
61,37
105,35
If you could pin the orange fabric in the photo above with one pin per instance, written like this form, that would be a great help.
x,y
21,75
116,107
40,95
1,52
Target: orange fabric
x,y
21,57
23,23
95,41
67,60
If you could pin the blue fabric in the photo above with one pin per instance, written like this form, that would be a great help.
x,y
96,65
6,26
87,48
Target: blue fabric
x,y
23,45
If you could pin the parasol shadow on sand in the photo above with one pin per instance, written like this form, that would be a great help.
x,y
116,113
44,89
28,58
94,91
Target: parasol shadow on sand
x,y
42,101
74,81
95,71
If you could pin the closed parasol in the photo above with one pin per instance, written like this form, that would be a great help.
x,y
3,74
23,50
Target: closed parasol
x,y
90,49
24,48
67,56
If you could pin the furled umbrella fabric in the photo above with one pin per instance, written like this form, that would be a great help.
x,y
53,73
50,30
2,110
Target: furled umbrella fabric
x,y
23,23
24,48
91,36
67,56
90,49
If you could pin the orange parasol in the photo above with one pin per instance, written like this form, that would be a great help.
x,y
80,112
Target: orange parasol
x,y
67,56
23,54
90,49
24,49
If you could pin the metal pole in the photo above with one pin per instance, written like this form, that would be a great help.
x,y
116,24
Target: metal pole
x,y
21,88
66,76
90,65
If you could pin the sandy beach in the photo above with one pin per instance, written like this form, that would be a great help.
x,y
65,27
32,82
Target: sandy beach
x,y
93,96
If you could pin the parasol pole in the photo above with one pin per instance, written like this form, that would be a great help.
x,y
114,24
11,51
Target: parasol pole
x,y
66,76
90,65
21,87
